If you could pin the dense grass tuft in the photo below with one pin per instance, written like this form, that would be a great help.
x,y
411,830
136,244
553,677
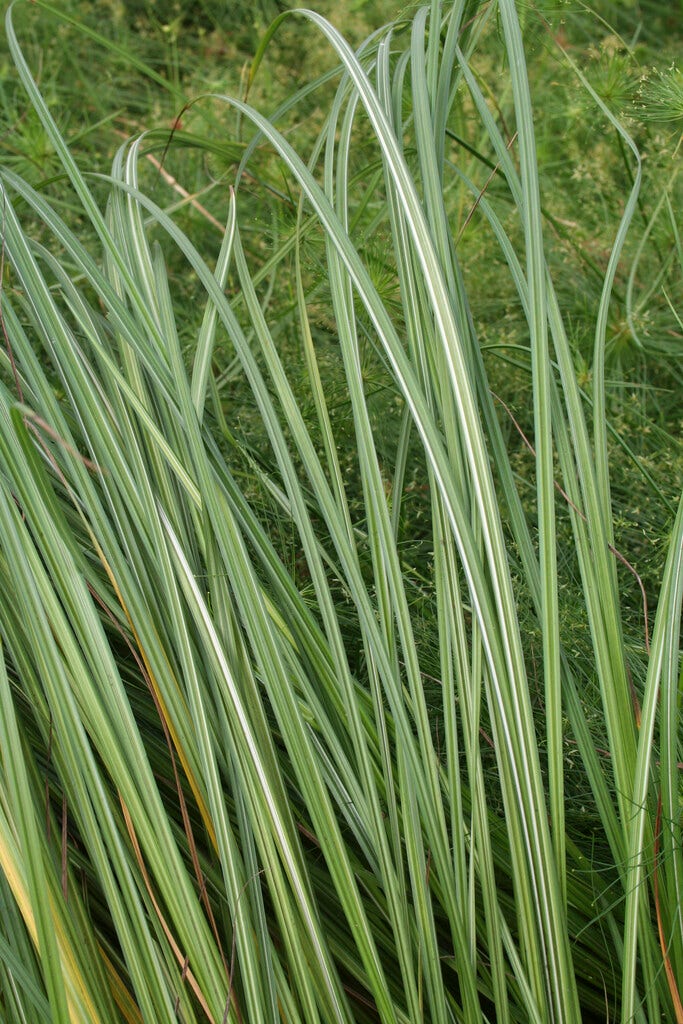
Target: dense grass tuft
x,y
339,680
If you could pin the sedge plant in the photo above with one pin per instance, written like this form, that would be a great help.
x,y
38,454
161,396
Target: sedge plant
x,y
237,787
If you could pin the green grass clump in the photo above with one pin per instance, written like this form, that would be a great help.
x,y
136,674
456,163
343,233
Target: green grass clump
x,y
341,558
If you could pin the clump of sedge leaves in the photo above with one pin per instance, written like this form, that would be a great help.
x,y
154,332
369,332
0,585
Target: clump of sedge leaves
x,y
330,690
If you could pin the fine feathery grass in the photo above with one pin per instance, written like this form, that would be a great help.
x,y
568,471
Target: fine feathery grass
x,y
235,787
